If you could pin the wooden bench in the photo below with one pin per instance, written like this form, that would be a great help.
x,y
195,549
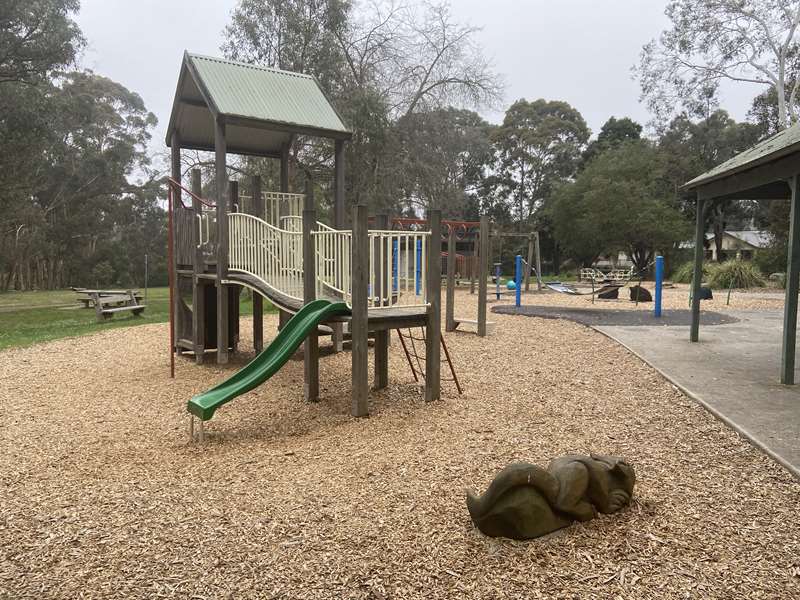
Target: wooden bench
x,y
118,297
104,311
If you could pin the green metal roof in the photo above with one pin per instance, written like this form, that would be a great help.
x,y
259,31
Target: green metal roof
x,y
262,107
781,144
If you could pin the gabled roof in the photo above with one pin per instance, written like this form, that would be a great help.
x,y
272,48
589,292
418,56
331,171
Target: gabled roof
x,y
771,149
261,107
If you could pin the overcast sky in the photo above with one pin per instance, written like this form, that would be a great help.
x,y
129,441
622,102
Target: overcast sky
x,y
580,51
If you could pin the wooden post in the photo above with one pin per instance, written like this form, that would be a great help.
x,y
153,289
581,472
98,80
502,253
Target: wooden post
x,y
311,345
283,316
450,298
697,277
258,301
360,313
433,336
220,148
792,285
483,270
339,222
198,295
538,263
175,156
381,377
474,265
233,290
529,263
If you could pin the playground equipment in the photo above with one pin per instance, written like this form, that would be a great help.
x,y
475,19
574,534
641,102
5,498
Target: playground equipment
x,y
369,281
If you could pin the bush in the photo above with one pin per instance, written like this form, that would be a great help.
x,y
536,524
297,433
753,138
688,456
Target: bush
x,y
735,273
771,259
683,274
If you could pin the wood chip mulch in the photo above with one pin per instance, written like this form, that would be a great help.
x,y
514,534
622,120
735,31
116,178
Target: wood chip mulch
x,y
102,496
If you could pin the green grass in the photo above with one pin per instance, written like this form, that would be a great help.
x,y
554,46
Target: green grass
x,y
30,317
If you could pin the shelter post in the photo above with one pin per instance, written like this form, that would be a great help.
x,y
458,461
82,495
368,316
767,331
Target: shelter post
x,y
697,277
311,344
198,290
792,283
258,301
175,156
220,148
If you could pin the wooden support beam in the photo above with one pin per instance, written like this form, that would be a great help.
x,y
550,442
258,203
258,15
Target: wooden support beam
x,y
483,270
285,169
359,302
381,376
258,301
433,335
538,263
222,240
528,263
792,288
450,298
234,291
177,194
311,344
198,266
339,222
697,277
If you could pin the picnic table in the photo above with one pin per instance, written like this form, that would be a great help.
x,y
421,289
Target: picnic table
x,y
107,306
110,297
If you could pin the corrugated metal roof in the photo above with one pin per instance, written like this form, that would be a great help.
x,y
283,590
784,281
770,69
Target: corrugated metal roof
x,y
264,94
774,147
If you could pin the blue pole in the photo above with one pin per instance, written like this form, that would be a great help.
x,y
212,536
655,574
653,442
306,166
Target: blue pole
x,y
518,278
497,279
418,274
394,265
659,279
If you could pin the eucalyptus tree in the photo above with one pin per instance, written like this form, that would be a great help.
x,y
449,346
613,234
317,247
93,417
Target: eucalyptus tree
x,y
710,41
538,145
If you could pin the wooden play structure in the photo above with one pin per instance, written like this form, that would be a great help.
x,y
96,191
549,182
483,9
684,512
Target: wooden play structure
x,y
371,280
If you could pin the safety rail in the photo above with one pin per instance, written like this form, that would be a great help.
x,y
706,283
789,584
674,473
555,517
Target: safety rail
x,y
334,250
277,206
275,256
398,266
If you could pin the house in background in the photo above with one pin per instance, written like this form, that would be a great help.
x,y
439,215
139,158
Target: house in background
x,y
737,244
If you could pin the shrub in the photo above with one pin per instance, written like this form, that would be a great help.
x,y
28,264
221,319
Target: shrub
x,y
683,274
735,273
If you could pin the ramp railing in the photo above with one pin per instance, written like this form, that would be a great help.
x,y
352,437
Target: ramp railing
x,y
275,256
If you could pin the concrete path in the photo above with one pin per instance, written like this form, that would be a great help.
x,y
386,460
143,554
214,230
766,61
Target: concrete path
x,y
733,371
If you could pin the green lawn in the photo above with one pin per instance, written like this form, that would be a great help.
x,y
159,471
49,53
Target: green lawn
x,y
30,317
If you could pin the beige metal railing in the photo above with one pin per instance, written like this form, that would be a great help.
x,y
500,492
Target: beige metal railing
x,y
398,267
275,256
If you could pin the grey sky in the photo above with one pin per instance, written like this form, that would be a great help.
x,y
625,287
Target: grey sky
x,y
580,51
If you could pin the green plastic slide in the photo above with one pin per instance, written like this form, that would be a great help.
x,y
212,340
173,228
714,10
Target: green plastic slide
x,y
270,360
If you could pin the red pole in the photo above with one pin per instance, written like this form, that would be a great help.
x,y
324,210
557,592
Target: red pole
x,y
170,251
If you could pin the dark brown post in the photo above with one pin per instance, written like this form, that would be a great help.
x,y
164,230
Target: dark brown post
x,y
792,286
258,301
483,270
198,295
220,148
234,206
529,263
339,221
283,316
449,308
433,337
382,337
538,263
697,277
311,345
360,315
175,156
473,264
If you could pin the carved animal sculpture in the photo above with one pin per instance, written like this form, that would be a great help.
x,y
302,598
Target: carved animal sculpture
x,y
644,295
525,501
611,294
706,293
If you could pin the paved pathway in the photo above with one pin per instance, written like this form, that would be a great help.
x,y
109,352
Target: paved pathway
x,y
733,370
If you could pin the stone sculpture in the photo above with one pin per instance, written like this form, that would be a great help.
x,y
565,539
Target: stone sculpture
x,y
525,501
642,293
